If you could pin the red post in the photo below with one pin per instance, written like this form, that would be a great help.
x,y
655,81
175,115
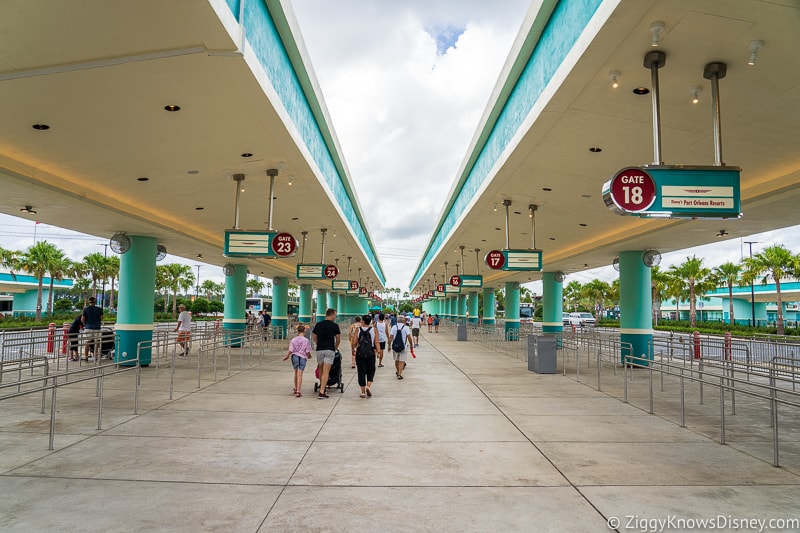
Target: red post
x,y
65,339
51,337
216,324
696,336
728,347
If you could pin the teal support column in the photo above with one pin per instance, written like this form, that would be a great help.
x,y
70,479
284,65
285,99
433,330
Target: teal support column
x,y
137,281
357,306
341,306
488,306
448,308
280,305
306,297
322,304
552,304
472,308
635,307
512,310
233,319
333,301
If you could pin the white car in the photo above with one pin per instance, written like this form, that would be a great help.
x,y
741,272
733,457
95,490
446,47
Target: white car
x,y
582,319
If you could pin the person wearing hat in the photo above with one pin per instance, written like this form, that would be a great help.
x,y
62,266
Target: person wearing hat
x,y
92,320
184,329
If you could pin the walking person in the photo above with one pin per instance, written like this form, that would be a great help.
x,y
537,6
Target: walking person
x,y
326,336
353,336
398,338
382,327
92,320
74,332
430,323
436,320
366,349
299,351
184,329
416,323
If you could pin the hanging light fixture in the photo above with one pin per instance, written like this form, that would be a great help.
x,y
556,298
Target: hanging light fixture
x,y
656,28
754,47
695,91
614,77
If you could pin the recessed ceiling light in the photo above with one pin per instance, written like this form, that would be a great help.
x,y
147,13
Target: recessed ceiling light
x,y
483,240
41,127
498,229
586,195
295,218
142,179
582,225
28,209
193,172
641,90
595,149
552,238
172,108
199,208
547,189
517,213
199,256
247,154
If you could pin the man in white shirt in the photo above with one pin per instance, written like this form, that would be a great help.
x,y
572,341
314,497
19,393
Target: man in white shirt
x,y
184,329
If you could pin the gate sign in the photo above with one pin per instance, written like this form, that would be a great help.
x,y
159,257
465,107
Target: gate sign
x,y
362,291
678,192
331,271
455,281
352,287
310,272
440,287
284,245
632,190
495,260
430,294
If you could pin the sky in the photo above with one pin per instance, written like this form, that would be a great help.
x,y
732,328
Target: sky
x,y
405,84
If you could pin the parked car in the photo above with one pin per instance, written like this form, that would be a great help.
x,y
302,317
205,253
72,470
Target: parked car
x,y
565,319
582,319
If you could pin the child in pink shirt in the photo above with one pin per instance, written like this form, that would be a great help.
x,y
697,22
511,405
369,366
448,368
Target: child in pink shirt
x,y
299,351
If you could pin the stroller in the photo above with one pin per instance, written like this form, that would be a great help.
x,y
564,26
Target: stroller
x,y
335,375
107,342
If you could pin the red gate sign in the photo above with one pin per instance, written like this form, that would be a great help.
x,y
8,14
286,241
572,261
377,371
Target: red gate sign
x,y
331,271
353,285
495,260
633,190
284,245
455,281
440,287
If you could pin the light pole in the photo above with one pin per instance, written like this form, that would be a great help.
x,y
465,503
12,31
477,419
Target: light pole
x,y
197,288
752,291
105,256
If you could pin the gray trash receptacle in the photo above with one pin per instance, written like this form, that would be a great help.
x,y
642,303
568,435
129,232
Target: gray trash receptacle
x,y
461,332
542,354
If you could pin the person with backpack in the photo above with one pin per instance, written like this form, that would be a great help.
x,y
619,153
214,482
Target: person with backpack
x,y
398,337
353,336
366,348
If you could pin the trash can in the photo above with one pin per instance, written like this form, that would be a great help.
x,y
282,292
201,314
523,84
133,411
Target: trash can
x,y
461,332
542,354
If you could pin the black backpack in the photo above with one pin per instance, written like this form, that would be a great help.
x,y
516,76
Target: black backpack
x,y
398,344
365,348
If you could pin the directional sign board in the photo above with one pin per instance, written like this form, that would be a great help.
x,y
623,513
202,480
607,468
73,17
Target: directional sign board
x,y
522,259
471,282
340,284
675,192
259,244
310,271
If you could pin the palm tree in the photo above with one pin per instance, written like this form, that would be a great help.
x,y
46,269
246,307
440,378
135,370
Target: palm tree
x,y
112,269
95,269
8,258
775,262
597,292
255,286
696,278
572,294
211,288
729,274
659,281
78,271
177,277
59,268
37,260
